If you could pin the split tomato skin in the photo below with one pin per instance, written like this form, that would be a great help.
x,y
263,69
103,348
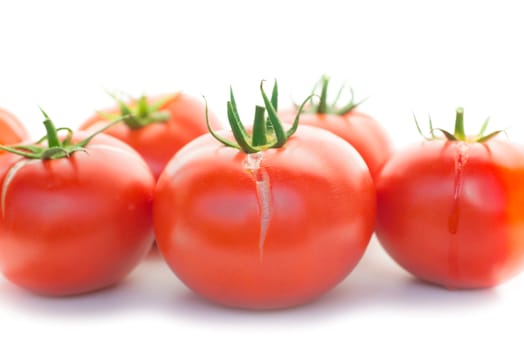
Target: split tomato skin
x,y
159,141
274,237
11,129
450,212
359,129
77,224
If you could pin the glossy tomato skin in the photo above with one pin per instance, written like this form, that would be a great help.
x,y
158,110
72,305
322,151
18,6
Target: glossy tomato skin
x,y
451,212
77,224
269,238
158,142
362,131
12,131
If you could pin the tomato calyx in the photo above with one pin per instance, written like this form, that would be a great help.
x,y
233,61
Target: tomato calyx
x,y
459,133
267,132
323,107
140,112
56,147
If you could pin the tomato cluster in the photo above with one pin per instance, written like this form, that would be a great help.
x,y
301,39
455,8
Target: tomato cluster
x,y
269,216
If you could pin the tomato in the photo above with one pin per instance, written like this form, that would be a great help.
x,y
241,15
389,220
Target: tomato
x,y
361,130
450,211
160,126
11,129
77,223
269,229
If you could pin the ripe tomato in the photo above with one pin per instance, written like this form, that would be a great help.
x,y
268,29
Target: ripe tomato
x,y
11,129
269,229
159,128
450,211
362,131
76,223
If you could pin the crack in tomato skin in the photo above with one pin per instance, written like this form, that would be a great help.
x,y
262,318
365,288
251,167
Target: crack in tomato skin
x,y
458,183
461,159
252,164
264,203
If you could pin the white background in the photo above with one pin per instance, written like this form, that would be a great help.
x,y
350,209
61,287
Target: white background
x,y
406,56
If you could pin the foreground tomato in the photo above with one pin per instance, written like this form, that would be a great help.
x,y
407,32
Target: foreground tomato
x,y
359,129
11,129
158,127
75,217
272,221
450,211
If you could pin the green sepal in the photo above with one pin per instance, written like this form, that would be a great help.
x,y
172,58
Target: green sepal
x,y
489,136
233,116
267,132
274,96
239,132
484,127
214,134
449,136
141,114
324,107
459,133
55,147
296,121
278,128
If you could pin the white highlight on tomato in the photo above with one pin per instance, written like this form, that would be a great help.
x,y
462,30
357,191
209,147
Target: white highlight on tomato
x,y
15,168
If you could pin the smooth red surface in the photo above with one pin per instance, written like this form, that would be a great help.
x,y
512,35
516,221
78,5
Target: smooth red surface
x,y
208,218
12,131
451,212
359,129
77,224
158,142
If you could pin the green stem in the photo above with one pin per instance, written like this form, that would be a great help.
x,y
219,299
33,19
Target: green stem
x,y
142,107
52,134
459,133
322,104
259,127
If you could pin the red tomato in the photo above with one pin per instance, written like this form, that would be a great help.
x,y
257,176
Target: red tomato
x,y
359,129
362,131
75,224
11,129
268,235
157,142
450,212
